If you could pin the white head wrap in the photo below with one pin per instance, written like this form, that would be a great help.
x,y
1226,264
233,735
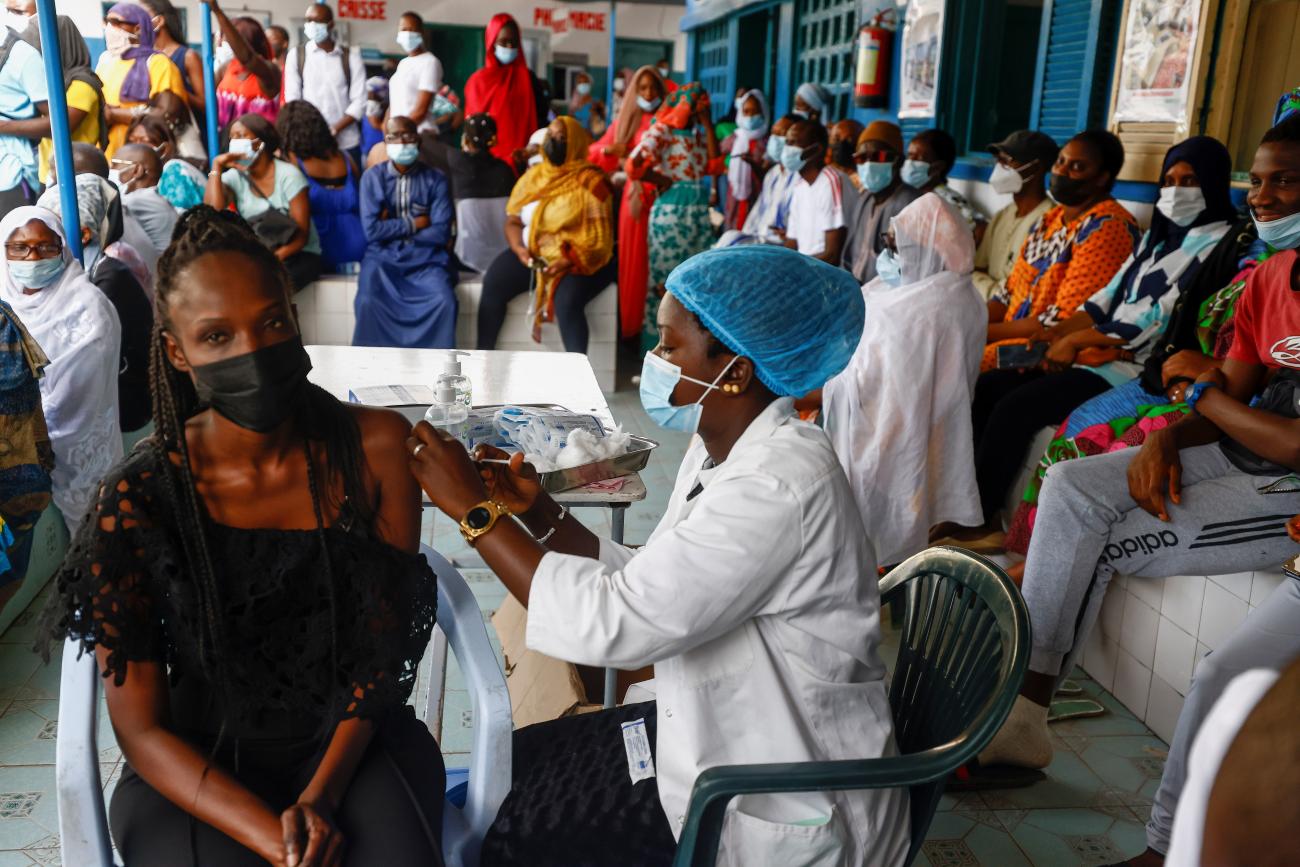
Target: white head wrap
x,y
740,174
78,329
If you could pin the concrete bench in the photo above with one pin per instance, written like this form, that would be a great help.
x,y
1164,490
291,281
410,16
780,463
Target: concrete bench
x,y
1153,632
325,309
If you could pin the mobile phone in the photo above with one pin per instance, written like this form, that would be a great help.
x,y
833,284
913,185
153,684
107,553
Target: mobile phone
x,y
1019,357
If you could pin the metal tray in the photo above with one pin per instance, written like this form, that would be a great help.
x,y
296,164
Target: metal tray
x,y
633,461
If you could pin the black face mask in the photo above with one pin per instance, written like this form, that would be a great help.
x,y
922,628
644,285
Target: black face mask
x,y
1068,191
554,149
842,153
257,390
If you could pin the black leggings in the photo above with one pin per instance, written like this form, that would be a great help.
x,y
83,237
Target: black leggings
x,y
303,268
391,813
507,278
1011,406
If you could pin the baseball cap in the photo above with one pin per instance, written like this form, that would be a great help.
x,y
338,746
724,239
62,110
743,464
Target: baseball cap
x,y
1027,145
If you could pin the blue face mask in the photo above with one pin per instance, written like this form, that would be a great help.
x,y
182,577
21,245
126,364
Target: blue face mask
x,y
888,268
648,104
775,145
583,87
36,273
915,173
403,154
505,56
750,122
316,31
1280,234
659,379
876,176
792,158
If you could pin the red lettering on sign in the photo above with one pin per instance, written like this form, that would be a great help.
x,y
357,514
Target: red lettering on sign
x,y
559,20
365,10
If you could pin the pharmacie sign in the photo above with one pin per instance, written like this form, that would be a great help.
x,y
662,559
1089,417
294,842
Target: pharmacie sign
x,y
562,20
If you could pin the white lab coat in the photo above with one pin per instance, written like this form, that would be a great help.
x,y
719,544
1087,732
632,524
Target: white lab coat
x,y
899,414
756,601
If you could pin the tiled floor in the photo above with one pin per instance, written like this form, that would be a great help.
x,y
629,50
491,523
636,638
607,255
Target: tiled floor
x,y
1089,811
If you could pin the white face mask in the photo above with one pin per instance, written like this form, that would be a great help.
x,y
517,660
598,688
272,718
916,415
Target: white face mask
x,y
117,40
409,40
1006,180
1182,205
222,55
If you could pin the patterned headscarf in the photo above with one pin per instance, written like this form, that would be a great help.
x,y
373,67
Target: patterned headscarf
x,y
678,110
136,86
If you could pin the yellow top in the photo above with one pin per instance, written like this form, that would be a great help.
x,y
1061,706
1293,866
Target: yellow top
x,y
84,97
163,75
573,219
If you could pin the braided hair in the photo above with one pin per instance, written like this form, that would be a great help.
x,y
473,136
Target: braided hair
x,y
318,416
304,132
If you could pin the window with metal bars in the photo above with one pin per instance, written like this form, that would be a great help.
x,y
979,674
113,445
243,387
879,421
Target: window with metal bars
x,y
824,33
711,63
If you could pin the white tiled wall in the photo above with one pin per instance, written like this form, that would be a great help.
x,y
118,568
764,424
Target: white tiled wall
x,y
325,311
1152,632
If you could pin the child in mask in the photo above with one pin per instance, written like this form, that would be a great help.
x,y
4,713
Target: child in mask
x,y
747,147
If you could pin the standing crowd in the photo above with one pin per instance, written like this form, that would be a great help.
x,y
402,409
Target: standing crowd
x,y
248,575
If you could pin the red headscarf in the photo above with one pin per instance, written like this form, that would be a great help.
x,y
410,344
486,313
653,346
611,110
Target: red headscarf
x,y
505,92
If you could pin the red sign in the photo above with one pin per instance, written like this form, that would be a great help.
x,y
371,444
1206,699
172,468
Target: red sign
x,y
563,20
366,10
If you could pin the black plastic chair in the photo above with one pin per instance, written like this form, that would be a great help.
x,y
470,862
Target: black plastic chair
x,y
961,660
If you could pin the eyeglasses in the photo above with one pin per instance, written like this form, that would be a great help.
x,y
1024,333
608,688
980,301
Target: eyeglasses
x,y
402,138
19,250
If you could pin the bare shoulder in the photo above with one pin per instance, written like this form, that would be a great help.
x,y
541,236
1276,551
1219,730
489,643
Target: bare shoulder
x,y
381,429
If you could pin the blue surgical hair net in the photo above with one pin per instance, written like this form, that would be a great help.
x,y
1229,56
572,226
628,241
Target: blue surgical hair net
x,y
798,319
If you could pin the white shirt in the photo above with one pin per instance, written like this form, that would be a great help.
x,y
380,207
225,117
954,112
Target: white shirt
x,y
420,72
756,601
323,84
815,209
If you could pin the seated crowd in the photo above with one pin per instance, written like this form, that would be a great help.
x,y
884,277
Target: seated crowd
x,y
248,576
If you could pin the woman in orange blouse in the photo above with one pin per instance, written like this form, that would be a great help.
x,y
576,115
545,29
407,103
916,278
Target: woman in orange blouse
x,y
677,152
1073,251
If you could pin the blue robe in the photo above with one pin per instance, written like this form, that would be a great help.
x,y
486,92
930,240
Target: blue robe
x,y
407,294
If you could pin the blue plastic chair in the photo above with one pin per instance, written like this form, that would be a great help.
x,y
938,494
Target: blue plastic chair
x,y
961,660
83,822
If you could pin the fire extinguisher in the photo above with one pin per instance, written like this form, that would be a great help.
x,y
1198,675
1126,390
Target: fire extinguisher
x,y
871,79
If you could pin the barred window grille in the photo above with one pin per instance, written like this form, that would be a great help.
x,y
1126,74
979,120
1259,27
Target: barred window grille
x,y
825,30
711,60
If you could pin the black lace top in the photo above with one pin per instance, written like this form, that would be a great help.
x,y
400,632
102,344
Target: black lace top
x,y
125,586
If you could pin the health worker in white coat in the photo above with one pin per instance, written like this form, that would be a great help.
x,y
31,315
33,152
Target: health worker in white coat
x,y
755,598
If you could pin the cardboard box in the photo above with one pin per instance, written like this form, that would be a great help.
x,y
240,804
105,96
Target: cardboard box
x,y
541,688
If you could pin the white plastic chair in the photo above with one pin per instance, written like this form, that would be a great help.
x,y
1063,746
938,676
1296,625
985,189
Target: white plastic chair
x,y
83,822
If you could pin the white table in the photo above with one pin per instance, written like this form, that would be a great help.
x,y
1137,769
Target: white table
x,y
563,378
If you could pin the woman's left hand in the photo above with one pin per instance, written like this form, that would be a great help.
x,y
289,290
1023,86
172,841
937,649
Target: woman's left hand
x,y
311,839
445,471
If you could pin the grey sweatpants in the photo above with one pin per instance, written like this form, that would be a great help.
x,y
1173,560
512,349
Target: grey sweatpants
x,y
1268,638
1088,528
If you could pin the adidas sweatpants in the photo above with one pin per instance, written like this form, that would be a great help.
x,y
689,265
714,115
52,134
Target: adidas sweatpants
x,y
1088,528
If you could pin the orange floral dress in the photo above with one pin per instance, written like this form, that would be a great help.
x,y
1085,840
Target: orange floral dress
x,y
1062,264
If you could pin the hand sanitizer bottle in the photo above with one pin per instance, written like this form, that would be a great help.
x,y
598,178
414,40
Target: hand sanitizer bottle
x,y
451,375
447,412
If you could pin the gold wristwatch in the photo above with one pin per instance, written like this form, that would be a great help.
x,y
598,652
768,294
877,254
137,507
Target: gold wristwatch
x,y
482,518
